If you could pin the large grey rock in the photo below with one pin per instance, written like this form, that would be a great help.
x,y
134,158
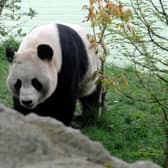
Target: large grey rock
x,y
37,142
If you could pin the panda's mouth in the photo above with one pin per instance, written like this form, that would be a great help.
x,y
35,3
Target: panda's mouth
x,y
27,104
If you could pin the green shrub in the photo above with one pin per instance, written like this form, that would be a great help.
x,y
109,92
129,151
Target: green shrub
x,y
5,96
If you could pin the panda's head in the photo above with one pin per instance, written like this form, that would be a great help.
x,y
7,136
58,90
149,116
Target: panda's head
x,y
32,75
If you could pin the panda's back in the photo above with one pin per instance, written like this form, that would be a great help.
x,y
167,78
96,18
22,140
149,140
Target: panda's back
x,y
76,46
73,50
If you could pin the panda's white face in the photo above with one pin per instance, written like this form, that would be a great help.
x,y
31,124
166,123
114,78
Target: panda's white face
x,y
31,79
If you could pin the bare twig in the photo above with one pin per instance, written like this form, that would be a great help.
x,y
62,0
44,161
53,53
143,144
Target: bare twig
x,y
164,11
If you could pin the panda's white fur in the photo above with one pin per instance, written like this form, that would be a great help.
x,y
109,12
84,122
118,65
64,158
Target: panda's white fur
x,y
26,65
44,34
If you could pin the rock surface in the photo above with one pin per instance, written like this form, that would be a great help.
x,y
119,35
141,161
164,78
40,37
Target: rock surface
x,y
37,142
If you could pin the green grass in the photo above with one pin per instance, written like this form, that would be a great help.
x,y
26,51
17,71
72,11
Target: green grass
x,y
5,96
129,129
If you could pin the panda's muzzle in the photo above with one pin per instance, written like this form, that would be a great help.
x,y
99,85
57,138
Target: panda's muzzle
x,y
27,103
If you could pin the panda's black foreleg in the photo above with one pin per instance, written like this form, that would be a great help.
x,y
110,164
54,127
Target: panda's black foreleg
x,y
90,105
65,110
64,100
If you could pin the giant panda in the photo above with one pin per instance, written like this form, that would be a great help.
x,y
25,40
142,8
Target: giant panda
x,y
53,67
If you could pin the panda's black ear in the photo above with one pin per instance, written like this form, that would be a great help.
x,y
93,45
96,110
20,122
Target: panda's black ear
x,y
9,54
45,52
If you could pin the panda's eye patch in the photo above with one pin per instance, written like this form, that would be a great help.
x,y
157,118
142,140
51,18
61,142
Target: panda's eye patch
x,y
36,84
18,84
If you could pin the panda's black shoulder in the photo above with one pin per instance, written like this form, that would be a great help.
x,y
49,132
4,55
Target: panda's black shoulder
x,y
73,49
70,39
66,32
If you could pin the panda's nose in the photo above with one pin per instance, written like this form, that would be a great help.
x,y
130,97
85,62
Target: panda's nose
x,y
27,102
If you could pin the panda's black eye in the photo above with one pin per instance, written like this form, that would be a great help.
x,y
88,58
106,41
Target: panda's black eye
x,y
36,84
18,85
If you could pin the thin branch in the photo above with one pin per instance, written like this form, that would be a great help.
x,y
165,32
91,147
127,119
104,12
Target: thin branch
x,y
162,107
164,11
102,33
162,62
137,13
155,7
157,35
162,78
151,101
149,29
155,98
152,40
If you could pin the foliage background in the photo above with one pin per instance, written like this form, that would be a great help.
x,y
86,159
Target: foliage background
x,y
130,128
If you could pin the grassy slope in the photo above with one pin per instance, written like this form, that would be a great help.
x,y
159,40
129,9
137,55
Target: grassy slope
x,y
5,96
129,130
